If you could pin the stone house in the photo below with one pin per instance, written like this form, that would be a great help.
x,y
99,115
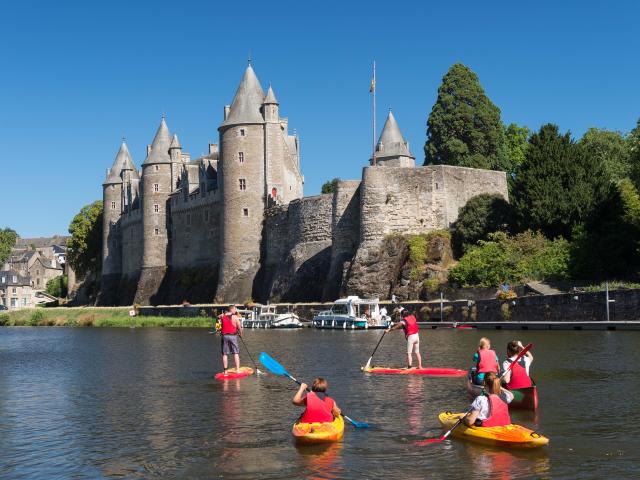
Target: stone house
x,y
15,290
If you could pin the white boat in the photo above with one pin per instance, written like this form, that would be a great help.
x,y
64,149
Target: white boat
x,y
353,313
265,316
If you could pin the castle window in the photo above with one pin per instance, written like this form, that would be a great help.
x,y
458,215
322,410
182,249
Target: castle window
x,y
243,184
113,205
156,187
156,231
245,212
242,132
157,167
156,208
241,157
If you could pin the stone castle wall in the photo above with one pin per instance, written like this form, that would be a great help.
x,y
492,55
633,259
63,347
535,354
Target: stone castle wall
x,y
131,238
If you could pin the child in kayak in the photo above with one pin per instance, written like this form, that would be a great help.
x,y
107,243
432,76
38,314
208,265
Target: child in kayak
x,y
410,326
491,408
486,361
518,376
320,407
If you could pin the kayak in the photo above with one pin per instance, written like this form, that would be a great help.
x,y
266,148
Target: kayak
x,y
433,371
523,398
232,373
507,436
318,432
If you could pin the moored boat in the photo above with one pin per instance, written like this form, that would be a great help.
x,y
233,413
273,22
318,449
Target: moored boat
x,y
318,432
266,316
353,313
507,436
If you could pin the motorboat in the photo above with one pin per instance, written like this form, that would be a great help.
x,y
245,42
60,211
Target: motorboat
x,y
353,313
266,316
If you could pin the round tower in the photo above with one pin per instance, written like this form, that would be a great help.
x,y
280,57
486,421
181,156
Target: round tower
x,y
242,180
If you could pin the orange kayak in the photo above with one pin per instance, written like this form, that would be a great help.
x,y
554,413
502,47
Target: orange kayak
x,y
232,373
507,436
318,432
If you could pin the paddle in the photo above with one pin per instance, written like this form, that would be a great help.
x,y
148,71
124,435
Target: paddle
x,y
258,372
443,437
374,351
274,367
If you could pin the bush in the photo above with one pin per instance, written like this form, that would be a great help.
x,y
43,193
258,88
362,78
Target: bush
x,y
4,319
35,318
57,286
517,259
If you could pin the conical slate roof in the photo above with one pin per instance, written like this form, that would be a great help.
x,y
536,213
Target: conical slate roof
x,y
175,143
122,162
160,146
247,102
270,97
391,142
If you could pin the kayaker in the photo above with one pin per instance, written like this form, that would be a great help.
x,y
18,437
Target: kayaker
x,y
320,406
518,376
230,329
409,324
491,408
486,361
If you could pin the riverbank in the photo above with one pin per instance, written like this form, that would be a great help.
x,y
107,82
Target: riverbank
x,y
94,317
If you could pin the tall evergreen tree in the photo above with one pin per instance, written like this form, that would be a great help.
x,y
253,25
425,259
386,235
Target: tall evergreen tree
x,y
611,148
464,126
558,185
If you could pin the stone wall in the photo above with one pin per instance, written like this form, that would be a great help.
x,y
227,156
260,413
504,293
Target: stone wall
x,y
131,238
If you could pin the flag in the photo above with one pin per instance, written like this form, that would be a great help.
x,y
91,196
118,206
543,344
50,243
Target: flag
x,y
373,85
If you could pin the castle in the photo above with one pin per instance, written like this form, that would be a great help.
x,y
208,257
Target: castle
x,y
234,225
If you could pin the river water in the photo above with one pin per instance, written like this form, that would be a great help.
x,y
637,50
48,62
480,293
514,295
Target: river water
x,y
142,403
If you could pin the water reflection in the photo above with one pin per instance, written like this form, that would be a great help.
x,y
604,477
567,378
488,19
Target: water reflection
x,y
414,399
321,461
507,464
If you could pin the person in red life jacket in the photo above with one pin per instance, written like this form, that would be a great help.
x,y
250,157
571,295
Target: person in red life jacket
x,y
231,328
491,408
320,407
410,326
518,376
486,361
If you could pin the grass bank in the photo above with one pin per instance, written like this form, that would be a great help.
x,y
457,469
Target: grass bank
x,y
93,317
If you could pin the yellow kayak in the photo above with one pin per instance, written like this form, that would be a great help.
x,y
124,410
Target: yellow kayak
x,y
319,432
507,436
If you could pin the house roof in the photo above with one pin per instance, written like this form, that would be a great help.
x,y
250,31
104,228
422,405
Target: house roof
x,y
8,277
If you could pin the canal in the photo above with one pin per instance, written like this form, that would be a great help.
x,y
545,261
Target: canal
x,y
142,403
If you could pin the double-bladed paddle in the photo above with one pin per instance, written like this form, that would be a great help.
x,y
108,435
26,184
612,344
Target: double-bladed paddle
x,y
457,424
274,367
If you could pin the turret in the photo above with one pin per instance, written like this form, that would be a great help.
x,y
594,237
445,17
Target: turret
x,y
242,182
392,149
270,107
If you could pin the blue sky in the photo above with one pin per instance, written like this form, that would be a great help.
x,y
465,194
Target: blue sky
x,y
77,76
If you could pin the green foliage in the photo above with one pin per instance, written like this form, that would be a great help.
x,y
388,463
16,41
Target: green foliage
x,y
513,149
8,238
558,185
607,245
330,186
418,250
610,148
482,215
58,286
633,140
35,318
85,245
464,126
502,258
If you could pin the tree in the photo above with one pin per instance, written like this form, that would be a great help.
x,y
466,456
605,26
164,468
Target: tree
x,y
558,185
610,148
464,126
8,239
634,154
57,286
85,245
513,149
482,215
330,186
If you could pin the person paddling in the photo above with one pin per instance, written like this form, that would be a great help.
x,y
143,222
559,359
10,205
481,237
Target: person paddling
x,y
491,408
518,376
321,407
231,328
486,360
410,326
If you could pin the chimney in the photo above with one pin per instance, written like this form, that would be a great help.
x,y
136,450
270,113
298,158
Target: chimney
x,y
213,148
148,150
226,111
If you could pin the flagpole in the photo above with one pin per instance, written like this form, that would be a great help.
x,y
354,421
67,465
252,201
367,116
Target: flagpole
x,y
374,113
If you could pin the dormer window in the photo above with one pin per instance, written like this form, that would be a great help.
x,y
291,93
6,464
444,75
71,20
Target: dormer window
x,y
4,279
241,157
15,279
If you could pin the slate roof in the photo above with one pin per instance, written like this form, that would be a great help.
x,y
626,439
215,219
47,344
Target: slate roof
x,y
8,279
391,142
247,101
175,143
160,146
270,97
122,162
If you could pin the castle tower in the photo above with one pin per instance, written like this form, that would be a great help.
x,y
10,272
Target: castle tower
x,y
156,186
243,189
392,149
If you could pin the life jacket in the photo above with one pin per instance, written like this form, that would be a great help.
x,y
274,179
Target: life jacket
x,y
318,410
228,328
519,377
410,325
487,361
498,413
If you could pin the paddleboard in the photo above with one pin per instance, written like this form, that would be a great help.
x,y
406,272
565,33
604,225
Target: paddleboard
x,y
432,371
232,373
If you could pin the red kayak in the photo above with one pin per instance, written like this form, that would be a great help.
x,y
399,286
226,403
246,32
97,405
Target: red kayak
x,y
232,373
434,371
